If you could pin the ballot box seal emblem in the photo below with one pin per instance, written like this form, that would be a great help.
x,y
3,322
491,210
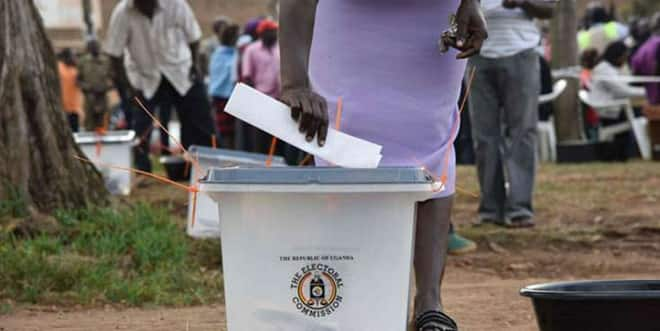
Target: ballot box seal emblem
x,y
317,288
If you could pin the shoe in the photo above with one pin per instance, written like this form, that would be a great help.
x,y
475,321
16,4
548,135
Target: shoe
x,y
489,221
521,222
459,245
435,320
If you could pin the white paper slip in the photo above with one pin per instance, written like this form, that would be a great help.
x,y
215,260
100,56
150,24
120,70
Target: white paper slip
x,y
274,117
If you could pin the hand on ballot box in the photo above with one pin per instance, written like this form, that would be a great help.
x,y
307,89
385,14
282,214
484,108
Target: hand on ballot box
x,y
274,117
310,110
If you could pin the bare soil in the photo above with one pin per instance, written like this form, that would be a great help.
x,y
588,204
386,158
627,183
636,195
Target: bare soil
x,y
594,222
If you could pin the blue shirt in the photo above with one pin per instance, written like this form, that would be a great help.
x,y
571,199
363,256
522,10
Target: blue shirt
x,y
223,72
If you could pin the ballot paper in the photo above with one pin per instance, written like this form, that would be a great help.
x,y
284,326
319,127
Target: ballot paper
x,y
274,117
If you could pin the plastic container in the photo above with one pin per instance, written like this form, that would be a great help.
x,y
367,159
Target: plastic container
x,y
597,305
176,168
113,148
317,248
207,224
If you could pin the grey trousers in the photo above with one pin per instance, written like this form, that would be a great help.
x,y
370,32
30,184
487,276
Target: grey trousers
x,y
504,114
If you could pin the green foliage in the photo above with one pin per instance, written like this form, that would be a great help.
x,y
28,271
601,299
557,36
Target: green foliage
x,y
134,256
13,205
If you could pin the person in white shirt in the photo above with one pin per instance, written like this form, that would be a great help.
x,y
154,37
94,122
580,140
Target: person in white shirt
x,y
504,110
153,45
604,86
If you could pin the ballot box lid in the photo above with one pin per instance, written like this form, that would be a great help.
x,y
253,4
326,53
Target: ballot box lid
x,y
222,156
110,137
320,176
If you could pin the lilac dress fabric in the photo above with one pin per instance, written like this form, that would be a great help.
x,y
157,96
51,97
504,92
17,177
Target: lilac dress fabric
x,y
399,91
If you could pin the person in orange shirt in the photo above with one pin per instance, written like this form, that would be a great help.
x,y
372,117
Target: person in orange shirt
x,y
71,94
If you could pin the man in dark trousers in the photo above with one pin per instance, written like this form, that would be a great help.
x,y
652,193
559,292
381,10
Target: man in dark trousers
x,y
159,40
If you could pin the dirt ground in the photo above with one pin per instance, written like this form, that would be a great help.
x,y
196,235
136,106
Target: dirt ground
x,y
595,222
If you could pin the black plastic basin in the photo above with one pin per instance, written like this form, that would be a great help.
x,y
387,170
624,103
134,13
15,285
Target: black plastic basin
x,y
628,305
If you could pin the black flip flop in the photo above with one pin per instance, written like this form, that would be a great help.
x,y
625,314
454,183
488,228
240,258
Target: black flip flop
x,y
435,321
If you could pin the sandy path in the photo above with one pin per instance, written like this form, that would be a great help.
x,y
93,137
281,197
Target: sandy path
x,y
477,301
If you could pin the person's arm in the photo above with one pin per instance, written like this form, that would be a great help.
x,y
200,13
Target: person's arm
x,y
121,78
535,9
471,31
247,69
116,42
616,89
195,70
622,90
296,34
81,81
193,33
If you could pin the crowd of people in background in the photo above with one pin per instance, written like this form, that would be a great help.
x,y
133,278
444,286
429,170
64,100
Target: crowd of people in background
x,y
609,51
233,54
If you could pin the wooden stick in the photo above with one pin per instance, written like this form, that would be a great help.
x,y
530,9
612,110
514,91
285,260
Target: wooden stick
x,y
194,210
340,108
468,88
305,160
214,142
271,152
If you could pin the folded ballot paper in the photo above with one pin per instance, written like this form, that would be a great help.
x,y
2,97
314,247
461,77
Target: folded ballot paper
x,y
274,117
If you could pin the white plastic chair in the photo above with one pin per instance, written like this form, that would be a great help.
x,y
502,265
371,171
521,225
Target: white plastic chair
x,y
639,125
547,145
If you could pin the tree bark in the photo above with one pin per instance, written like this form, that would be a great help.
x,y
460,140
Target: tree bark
x,y
565,54
36,144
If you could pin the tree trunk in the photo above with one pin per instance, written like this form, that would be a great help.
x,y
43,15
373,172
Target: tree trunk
x,y
568,119
36,144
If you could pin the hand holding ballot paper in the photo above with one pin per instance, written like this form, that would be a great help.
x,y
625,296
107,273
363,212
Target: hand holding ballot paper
x,y
274,117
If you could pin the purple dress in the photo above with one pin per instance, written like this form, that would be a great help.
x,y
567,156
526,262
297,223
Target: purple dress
x,y
398,90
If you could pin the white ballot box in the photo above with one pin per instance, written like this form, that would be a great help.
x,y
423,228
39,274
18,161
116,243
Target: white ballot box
x,y
207,223
317,248
112,148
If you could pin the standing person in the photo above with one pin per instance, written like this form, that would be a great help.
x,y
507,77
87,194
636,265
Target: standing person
x,y
95,79
261,61
260,66
211,43
504,110
601,29
161,40
646,61
71,95
223,75
402,95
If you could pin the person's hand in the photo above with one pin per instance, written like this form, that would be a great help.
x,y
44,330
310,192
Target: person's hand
x,y
511,4
195,75
132,93
310,110
471,29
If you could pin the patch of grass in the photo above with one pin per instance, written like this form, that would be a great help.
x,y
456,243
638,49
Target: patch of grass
x,y
6,308
13,205
134,256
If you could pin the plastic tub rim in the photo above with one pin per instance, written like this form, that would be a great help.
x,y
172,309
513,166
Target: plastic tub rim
x,y
112,137
546,291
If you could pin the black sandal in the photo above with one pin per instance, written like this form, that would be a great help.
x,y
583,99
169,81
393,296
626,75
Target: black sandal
x,y
435,321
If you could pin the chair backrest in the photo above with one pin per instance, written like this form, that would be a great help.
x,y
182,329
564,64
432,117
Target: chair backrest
x,y
557,89
586,98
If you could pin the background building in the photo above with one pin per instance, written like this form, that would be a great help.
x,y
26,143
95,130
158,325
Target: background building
x,y
64,23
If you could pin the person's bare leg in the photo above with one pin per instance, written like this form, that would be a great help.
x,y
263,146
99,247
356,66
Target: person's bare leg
x,y
431,242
